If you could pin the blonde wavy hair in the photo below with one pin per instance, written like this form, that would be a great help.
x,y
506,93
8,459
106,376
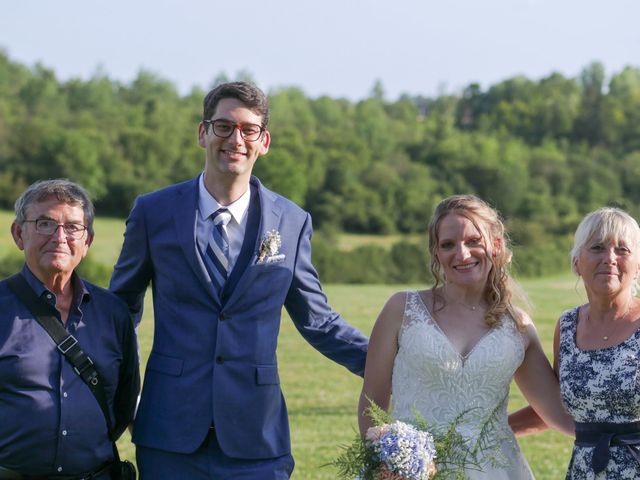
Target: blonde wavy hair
x,y
501,287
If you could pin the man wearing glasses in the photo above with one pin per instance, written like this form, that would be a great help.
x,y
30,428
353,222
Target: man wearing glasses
x,y
52,424
223,255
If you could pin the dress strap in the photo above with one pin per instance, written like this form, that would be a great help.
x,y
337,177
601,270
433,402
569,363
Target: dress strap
x,y
568,325
415,311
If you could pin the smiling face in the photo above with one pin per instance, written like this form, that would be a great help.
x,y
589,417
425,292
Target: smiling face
x,y
461,252
607,266
50,255
232,157
606,252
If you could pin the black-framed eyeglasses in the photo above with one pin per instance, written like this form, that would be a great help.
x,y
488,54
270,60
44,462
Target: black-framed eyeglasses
x,y
224,129
46,226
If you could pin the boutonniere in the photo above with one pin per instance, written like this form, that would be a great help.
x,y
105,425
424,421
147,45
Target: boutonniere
x,y
269,248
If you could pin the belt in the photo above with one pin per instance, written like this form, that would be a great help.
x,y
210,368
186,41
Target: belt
x,y
7,474
602,436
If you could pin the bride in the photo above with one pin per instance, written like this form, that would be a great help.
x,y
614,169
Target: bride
x,y
453,349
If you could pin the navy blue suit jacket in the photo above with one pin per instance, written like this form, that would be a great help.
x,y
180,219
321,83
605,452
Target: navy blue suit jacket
x,y
213,360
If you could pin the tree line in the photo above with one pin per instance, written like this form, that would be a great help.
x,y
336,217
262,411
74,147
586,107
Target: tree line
x,y
544,152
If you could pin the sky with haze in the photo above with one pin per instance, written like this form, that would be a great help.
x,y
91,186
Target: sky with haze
x,y
338,48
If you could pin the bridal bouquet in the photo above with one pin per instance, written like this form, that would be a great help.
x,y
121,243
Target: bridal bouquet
x,y
403,452
395,450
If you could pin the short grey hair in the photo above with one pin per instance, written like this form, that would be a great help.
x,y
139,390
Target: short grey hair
x,y
608,224
64,190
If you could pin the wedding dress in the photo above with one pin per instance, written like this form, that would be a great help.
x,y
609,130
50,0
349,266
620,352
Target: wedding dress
x,y
431,378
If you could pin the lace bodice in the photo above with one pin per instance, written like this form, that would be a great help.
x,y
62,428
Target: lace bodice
x,y
431,377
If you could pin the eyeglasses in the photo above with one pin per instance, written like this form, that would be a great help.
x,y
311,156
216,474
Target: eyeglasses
x,y
224,129
45,226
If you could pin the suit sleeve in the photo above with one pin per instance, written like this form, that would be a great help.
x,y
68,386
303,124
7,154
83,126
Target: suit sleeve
x,y
126,396
318,323
133,271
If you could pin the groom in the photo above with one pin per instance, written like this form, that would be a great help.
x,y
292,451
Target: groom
x,y
223,255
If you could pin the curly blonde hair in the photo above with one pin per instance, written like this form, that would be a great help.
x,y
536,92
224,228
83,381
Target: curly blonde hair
x,y
500,286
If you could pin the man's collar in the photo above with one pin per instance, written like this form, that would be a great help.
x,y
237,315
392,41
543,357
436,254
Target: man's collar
x,y
207,204
79,288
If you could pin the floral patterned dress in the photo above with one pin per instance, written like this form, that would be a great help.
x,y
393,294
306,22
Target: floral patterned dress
x,y
600,386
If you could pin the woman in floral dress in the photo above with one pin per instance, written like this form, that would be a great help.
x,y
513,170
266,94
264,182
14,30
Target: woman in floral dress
x,y
597,351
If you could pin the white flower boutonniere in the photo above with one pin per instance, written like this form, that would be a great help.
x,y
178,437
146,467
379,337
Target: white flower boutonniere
x,y
269,247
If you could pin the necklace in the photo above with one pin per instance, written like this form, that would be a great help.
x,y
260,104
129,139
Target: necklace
x,y
615,322
473,308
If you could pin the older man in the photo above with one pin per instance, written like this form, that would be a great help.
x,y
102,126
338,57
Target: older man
x,y
52,425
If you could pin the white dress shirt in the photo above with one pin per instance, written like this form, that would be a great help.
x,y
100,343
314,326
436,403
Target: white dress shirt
x,y
236,227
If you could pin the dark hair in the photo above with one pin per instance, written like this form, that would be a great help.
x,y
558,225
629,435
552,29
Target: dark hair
x,y
500,286
253,98
64,190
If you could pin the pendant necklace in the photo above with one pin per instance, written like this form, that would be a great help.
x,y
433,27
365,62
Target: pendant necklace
x,y
473,308
613,330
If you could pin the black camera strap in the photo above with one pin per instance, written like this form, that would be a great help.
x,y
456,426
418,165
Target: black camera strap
x,y
67,345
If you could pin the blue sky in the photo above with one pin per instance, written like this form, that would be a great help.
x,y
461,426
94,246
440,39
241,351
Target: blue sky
x,y
334,47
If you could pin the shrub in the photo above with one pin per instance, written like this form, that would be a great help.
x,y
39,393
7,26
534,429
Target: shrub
x,y
404,262
89,269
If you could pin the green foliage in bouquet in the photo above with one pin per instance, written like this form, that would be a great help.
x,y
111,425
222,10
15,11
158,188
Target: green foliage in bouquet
x,y
454,453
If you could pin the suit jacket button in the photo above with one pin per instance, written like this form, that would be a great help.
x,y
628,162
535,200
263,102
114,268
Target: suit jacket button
x,y
222,317
219,360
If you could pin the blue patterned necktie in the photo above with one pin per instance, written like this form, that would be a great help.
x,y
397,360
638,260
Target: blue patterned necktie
x,y
217,257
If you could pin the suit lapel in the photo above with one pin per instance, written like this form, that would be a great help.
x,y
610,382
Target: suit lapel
x,y
184,216
266,218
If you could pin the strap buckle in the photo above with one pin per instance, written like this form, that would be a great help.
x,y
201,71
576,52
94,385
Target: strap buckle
x,y
86,364
71,340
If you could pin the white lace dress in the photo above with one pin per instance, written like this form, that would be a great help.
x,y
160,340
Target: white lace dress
x,y
432,378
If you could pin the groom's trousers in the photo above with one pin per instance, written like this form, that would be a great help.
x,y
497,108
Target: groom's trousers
x,y
209,463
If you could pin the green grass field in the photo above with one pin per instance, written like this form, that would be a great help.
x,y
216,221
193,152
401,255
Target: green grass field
x,y
322,396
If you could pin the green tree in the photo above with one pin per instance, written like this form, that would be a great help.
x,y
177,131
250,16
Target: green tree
x,y
621,111
589,126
